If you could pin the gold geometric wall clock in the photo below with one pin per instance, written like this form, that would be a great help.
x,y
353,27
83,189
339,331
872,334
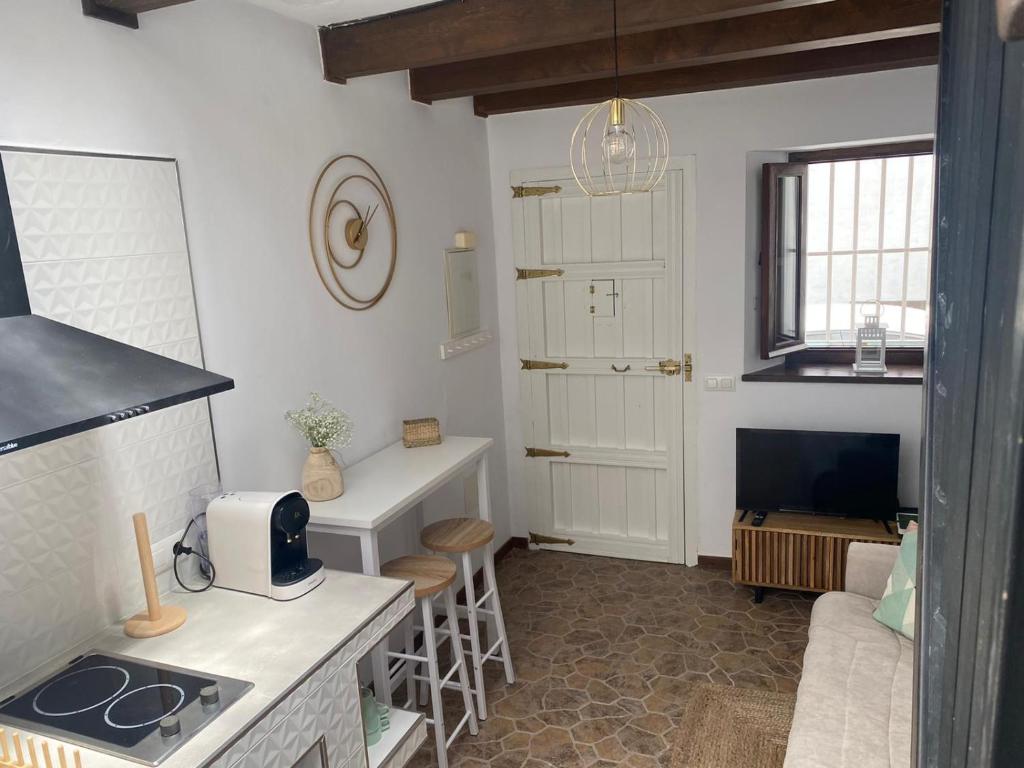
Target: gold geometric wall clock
x,y
353,235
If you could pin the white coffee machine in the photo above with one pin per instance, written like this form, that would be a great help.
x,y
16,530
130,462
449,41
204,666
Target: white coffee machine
x,y
258,544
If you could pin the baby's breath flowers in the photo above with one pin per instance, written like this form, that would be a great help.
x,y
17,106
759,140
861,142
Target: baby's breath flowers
x,y
323,425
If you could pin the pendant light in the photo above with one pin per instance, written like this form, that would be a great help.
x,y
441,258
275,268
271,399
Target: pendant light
x,y
620,145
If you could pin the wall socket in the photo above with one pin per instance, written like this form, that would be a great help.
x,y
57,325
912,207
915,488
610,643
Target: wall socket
x,y
720,383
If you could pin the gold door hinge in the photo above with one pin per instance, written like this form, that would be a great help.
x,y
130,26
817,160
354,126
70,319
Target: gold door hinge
x,y
542,538
526,191
542,453
541,365
530,274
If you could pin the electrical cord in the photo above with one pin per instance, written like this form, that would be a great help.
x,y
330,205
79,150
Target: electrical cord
x,y
180,549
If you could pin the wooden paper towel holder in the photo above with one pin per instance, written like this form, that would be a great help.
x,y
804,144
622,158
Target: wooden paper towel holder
x,y
157,619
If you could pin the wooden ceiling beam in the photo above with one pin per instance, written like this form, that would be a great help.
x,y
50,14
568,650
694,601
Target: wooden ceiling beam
x,y
459,31
124,12
840,23
877,56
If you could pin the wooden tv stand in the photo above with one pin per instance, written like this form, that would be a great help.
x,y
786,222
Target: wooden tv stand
x,y
795,551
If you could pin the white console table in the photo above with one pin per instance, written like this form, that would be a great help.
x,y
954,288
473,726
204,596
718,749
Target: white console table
x,y
385,486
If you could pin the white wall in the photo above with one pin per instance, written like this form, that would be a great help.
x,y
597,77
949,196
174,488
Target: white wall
x,y
726,131
236,94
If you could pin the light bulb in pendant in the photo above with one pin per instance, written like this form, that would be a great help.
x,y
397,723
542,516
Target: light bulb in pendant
x,y
618,145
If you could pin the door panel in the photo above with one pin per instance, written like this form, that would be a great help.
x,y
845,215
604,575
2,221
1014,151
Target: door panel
x,y
607,317
606,229
576,229
634,330
603,410
637,229
608,499
610,407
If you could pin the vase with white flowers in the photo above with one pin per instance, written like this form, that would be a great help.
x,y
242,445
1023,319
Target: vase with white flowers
x,y
326,429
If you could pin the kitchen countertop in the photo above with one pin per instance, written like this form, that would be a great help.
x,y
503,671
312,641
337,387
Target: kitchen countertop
x,y
248,637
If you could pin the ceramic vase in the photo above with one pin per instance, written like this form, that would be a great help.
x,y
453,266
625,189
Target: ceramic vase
x,y
321,476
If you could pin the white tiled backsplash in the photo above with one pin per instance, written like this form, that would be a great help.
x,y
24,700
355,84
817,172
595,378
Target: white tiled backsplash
x,y
103,243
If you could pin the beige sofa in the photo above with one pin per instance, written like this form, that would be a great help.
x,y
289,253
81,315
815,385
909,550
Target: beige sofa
x,y
853,706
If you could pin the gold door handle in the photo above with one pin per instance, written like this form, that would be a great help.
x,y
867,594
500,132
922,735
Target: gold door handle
x,y
667,367
672,367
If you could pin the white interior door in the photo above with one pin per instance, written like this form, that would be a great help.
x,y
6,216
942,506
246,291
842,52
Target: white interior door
x,y
600,295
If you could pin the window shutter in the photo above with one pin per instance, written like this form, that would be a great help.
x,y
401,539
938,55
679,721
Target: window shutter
x,y
783,257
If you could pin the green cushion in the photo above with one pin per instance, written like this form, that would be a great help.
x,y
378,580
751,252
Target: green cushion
x,y
896,609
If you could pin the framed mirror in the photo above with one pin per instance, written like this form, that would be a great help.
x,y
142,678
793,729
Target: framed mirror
x,y
462,290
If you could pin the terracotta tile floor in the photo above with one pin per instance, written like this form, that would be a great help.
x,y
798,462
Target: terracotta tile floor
x,y
606,652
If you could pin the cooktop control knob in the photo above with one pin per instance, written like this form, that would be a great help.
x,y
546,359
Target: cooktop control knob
x,y
170,726
209,695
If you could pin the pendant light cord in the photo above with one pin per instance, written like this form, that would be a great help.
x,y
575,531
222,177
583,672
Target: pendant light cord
x,y
615,42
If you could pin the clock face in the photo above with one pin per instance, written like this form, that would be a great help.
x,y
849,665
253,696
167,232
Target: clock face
x,y
354,249
357,233
357,230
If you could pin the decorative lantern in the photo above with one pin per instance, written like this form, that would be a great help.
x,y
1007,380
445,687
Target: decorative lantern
x,y
870,359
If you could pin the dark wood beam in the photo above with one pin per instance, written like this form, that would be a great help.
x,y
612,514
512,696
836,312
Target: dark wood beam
x,y
469,29
124,12
863,152
915,51
842,22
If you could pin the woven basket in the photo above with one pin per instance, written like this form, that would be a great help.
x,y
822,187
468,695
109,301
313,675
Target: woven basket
x,y
417,433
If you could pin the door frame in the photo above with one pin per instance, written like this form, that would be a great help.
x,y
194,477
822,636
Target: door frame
x,y
970,600
684,531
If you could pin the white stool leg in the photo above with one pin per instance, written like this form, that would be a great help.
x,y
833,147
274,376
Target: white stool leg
x,y
491,584
430,647
424,689
410,665
474,635
459,658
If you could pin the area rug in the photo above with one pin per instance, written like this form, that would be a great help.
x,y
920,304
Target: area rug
x,y
727,727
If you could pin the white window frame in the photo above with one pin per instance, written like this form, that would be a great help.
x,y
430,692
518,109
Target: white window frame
x,y
897,337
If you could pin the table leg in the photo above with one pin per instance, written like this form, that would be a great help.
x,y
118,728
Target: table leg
x,y
418,518
371,567
483,495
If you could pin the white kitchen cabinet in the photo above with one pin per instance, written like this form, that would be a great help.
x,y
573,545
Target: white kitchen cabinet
x,y
329,714
320,718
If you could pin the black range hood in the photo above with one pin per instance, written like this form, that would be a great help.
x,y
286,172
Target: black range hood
x,y
56,380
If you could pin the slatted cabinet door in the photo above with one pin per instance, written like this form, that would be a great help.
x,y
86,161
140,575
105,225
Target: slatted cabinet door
x,y
610,316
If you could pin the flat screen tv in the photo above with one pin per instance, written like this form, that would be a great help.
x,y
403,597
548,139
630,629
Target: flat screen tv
x,y
849,474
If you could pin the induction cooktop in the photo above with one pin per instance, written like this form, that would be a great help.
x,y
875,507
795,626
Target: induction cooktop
x,y
131,708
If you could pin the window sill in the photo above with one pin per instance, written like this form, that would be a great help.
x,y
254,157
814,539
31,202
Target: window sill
x,y
839,373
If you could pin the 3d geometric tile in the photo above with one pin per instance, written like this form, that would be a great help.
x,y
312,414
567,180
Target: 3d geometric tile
x,y
103,244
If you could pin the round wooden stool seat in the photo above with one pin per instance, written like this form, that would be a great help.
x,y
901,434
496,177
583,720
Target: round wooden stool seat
x,y
457,534
430,574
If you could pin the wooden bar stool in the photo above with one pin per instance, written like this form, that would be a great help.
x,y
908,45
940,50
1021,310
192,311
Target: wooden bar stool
x,y
433,576
462,536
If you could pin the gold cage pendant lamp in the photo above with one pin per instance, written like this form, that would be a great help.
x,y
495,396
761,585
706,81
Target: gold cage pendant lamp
x,y
620,145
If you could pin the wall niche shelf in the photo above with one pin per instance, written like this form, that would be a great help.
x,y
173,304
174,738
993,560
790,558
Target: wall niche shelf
x,y
399,742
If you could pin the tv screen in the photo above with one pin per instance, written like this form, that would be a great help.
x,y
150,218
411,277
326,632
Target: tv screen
x,y
850,474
